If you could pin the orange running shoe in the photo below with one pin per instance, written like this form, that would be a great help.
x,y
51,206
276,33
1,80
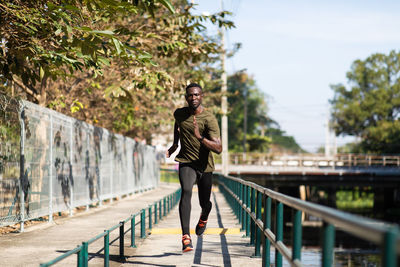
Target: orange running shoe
x,y
186,243
201,227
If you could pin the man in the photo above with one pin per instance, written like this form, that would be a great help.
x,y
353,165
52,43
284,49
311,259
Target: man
x,y
198,131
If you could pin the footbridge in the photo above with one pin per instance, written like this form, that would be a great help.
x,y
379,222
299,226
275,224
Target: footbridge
x,y
313,164
247,226
75,194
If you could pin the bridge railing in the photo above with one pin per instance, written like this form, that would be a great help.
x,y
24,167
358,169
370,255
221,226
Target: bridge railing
x,y
152,214
252,205
314,160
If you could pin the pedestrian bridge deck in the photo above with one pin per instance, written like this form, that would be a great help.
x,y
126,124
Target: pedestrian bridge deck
x,y
222,245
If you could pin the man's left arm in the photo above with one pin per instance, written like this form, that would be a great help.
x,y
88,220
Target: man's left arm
x,y
212,143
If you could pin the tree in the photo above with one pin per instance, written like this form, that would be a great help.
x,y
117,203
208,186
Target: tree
x,y
111,63
49,40
369,108
243,92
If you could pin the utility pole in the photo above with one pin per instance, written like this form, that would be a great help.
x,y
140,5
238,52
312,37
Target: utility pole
x,y
245,124
327,137
224,106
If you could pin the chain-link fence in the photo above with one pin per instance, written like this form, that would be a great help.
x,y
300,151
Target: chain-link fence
x,y
50,163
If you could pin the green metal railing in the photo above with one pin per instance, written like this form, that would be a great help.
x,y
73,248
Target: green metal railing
x,y
252,205
153,215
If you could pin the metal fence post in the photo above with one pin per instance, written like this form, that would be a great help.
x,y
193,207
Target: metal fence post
x,y
143,224
107,249
328,244
258,230
155,213
297,235
165,206
389,257
85,258
111,176
243,209
252,224
240,196
150,219
80,257
88,187
71,157
247,214
51,171
279,232
133,231
267,225
169,203
22,169
121,240
159,210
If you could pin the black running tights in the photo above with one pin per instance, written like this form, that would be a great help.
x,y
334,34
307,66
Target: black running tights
x,y
187,177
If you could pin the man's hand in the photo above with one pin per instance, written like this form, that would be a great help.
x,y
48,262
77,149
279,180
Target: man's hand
x,y
196,128
171,150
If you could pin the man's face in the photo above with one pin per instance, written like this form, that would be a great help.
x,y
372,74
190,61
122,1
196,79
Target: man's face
x,y
194,96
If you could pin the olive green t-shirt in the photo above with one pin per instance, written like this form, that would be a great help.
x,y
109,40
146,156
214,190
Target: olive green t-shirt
x,y
192,151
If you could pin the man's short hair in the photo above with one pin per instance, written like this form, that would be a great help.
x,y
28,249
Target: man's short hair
x,y
193,85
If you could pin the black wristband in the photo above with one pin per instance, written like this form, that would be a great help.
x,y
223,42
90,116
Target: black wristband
x,y
202,138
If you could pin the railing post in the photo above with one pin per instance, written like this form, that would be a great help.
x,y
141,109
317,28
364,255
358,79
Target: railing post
x,y
237,205
143,224
267,225
328,244
121,240
159,211
389,257
85,249
297,235
243,211
150,219
240,196
253,209
279,232
168,204
80,258
155,213
258,230
107,249
247,214
133,231
165,206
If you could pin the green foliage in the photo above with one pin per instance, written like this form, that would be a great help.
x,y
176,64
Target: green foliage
x,y
53,39
243,91
107,62
257,143
370,107
354,199
169,176
283,142
262,133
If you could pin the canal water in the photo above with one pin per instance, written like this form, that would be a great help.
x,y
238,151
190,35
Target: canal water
x,y
342,258
349,250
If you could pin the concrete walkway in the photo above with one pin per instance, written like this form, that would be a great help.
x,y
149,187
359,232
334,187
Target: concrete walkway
x,y
222,244
46,241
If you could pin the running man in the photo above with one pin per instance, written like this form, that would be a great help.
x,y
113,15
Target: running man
x,y
198,131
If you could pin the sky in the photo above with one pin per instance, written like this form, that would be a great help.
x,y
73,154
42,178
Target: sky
x,y
296,49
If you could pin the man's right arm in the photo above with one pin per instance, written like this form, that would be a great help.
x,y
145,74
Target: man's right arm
x,y
174,146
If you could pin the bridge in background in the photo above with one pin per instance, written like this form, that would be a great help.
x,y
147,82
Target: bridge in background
x,y
312,164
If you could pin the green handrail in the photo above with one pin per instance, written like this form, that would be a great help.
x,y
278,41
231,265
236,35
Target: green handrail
x,y
82,250
385,235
